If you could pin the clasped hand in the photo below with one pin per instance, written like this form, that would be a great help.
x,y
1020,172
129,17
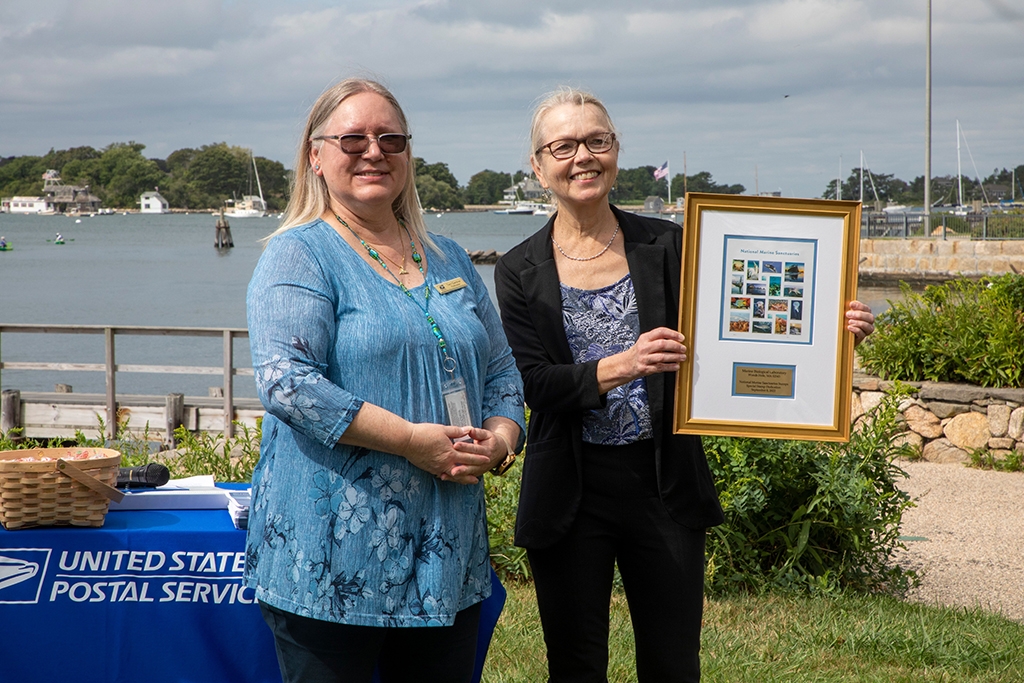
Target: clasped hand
x,y
438,450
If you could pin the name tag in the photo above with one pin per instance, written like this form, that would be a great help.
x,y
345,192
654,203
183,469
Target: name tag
x,y
449,286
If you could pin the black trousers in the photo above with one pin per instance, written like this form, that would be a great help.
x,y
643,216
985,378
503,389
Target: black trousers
x,y
315,651
621,519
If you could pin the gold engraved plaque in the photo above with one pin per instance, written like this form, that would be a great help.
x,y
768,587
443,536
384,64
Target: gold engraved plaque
x,y
763,380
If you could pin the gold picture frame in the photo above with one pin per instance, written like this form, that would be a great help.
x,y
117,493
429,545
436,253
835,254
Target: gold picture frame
x,y
765,285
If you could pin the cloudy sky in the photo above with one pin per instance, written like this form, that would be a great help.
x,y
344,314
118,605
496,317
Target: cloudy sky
x,y
773,94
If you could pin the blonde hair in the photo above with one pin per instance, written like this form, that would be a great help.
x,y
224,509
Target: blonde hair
x,y
563,95
310,197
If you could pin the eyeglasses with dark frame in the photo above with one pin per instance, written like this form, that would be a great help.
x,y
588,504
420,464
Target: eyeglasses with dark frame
x,y
355,143
598,143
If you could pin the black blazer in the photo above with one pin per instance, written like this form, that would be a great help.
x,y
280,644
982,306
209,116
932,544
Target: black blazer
x,y
558,390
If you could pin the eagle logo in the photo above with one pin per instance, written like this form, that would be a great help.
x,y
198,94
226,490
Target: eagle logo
x,y
13,571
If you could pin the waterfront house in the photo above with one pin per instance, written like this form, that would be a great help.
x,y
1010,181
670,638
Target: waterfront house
x,y
74,199
68,198
528,189
27,205
153,202
654,204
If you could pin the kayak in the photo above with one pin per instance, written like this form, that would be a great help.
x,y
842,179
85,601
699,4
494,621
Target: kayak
x,y
7,247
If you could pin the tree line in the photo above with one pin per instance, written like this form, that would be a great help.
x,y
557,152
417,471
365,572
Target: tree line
x,y
204,177
887,189
488,187
118,174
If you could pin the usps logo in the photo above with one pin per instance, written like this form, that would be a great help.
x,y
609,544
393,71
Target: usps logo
x,y
21,574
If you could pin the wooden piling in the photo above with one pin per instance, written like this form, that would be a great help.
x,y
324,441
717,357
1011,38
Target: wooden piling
x,y
10,410
222,239
175,414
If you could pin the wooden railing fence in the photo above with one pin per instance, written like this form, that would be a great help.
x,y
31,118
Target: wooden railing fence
x,y
110,367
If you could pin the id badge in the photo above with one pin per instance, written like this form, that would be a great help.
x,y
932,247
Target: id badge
x,y
454,392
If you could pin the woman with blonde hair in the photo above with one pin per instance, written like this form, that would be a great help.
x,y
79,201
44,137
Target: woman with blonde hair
x,y
386,401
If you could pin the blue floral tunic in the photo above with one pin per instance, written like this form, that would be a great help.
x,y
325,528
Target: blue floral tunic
x,y
600,323
342,533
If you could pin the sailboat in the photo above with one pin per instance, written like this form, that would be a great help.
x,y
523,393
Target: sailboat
x,y
961,209
249,206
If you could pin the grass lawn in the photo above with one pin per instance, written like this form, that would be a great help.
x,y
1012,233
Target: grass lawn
x,y
784,639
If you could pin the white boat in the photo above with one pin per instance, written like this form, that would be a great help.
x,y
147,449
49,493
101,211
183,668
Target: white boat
x,y
962,209
526,209
249,206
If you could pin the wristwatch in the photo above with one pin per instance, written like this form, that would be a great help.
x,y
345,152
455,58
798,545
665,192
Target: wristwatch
x,y
510,458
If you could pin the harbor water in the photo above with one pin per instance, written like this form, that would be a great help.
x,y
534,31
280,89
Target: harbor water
x,y
159,270
163,270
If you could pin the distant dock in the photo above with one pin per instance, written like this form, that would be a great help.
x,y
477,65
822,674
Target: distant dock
x,y
48,415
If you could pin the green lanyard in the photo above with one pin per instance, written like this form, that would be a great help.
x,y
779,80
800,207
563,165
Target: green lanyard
x,y
449,362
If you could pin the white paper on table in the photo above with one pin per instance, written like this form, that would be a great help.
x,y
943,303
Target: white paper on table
x,y
190,493
200,481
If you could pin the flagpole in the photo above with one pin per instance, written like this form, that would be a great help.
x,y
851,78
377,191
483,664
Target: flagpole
x,y
668,180
684,176
928,122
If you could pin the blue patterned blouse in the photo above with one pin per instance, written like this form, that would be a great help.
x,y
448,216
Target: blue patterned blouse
x,y
600,323
346,534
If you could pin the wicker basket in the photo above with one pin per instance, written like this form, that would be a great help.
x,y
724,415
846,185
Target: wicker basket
x,y
57,487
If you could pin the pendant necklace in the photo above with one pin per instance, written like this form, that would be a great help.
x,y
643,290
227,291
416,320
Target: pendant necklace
x,y
449,362
401,267
585,258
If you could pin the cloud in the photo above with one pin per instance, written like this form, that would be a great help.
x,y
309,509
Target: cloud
x,y
705,78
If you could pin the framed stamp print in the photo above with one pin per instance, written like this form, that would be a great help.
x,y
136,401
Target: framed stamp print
x,y
765,286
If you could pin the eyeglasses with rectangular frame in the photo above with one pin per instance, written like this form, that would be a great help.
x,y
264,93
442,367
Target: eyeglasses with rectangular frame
x,y
355,143
598,143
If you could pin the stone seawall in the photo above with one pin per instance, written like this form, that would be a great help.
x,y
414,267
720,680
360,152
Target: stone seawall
x,y
947,422
931,259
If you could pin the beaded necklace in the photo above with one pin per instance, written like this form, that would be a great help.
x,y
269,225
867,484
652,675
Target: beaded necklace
x,y
585,258
449,362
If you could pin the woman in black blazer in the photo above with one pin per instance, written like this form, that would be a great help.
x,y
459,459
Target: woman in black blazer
x,y
590,306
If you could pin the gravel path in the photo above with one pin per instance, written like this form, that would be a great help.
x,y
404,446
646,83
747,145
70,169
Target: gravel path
x,y
966,536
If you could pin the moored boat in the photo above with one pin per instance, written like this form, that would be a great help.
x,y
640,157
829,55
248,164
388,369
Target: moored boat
x,y
526,209
249,206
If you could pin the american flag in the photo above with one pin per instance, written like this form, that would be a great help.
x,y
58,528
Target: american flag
x,y
661,171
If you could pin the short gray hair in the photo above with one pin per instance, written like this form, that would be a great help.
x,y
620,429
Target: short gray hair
x,y
563,95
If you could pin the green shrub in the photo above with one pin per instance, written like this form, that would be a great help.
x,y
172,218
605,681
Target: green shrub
x,y
809,516
227,459
135,447
960,331
12,441
986,460
509,561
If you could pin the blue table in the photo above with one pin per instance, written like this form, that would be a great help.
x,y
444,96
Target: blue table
x,y
152,596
